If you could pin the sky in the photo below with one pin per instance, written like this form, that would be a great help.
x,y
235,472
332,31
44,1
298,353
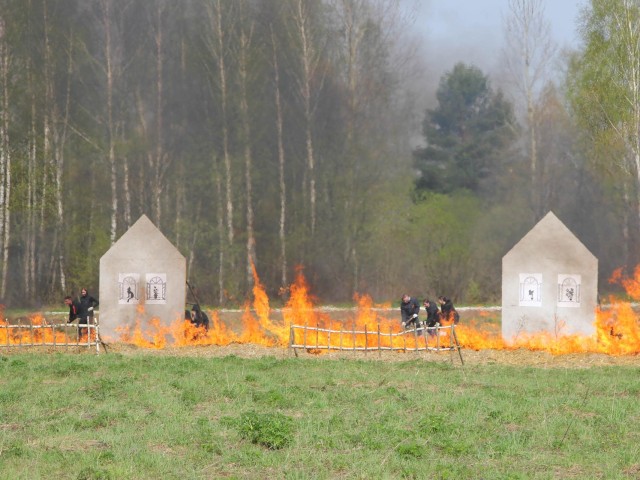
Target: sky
x,y
472,31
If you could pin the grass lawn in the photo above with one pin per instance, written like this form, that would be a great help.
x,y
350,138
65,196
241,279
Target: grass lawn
x,y
114,416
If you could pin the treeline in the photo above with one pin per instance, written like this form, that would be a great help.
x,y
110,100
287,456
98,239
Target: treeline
x,y
274,133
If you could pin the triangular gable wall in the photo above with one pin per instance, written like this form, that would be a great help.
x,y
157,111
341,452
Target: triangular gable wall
x,y
143,237
552,233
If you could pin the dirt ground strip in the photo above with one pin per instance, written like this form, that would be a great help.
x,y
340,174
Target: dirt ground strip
x,y
521,357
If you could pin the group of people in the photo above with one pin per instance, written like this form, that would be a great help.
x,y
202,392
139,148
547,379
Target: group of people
x,y
437,313
81,309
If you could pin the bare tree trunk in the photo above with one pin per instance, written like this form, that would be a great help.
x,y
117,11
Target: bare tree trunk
x,y
361,66
126,181
180,199
354,22
532,50
46,148
245,44
281,166
221,237
111,153
30,234
157,159
221,19
160,160
626,227
61,140
218,47
5,161
309,59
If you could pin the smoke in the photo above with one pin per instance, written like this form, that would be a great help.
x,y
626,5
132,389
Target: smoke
x,y
459,31
472,32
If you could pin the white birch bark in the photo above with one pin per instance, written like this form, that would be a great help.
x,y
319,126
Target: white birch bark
x,y
111,154
221,237
60,127
309,59
30,240
281,165
5,160
159,162
531,51
217,43
126,182
245,45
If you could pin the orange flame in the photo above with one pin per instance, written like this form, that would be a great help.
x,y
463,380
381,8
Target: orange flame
x,y
39,332
617,331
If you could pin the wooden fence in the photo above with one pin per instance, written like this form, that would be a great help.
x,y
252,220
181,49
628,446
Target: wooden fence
x,y
423,339
50,335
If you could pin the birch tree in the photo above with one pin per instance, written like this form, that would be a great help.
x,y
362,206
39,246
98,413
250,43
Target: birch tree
x,y
112,72
605,93
310,76
528,56
47,167
281,161
29,260
217,42
158,160
5,158
246,36
55,126
61,126
366,32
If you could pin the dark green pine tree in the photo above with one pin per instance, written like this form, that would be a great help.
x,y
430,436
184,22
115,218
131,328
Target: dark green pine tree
x,y
466,134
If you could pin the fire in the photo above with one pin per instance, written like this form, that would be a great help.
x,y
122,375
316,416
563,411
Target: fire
x,y
259,328
299,309
617,330
37,331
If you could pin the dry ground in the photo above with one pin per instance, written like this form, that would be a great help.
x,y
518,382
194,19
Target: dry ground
x,y
519,357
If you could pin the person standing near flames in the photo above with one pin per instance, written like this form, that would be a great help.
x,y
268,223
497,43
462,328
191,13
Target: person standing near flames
x,y
433,314
74,308
447,310
409,308
87,304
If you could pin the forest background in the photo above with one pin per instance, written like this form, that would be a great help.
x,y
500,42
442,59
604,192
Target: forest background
x,y
291,134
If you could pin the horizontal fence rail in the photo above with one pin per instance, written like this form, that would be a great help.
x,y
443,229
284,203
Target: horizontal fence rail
x,y
440,338
50,335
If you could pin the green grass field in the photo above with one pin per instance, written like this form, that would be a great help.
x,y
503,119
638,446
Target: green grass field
x,y
114,416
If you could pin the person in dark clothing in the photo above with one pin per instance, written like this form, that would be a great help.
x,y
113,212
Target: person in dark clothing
x,y
447,310
87,304
74,308
198,317
75,313
409,308
433,315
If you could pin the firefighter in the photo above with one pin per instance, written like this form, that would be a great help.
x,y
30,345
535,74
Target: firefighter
x,y
74,310
409,308
198,317
433,315
87,304
447,310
